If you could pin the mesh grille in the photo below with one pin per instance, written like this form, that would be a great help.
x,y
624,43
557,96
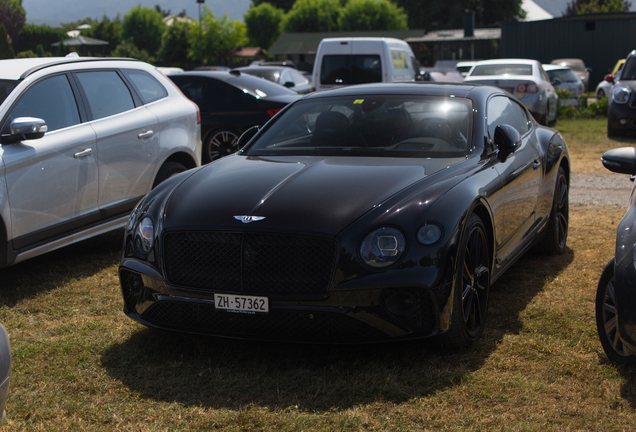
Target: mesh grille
x,y
279,325
131,294
249,263
421,315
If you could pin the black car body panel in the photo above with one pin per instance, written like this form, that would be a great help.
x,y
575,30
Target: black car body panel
x,y
621,113
290,227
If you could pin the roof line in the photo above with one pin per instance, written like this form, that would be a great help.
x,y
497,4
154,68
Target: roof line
x,y
71,60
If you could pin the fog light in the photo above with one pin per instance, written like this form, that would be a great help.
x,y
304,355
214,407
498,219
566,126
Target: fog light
x,y
623,122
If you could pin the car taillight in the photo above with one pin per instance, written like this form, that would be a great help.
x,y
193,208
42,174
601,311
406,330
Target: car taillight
x,y
527,88
273,112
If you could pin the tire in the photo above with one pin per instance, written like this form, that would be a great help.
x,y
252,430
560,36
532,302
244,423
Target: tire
x,y
606,319
556,236
556,115
600,94
471,287
220,143
166,171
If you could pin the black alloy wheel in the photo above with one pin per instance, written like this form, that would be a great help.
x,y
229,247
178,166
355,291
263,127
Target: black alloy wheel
x,y
556,236
220,143
472,287
600,94
607,319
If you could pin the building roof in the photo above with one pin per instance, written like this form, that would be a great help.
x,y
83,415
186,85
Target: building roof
x,y
458,35
307,43
534,12
81,40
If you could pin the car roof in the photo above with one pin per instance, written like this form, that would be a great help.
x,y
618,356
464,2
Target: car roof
x,y
408,88
265,68
550,67
15,69
506,61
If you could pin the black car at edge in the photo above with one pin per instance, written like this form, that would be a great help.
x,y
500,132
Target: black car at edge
x,y
376,212
621,111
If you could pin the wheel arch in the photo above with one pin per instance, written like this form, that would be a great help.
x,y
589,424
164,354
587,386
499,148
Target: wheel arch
x,y
182,158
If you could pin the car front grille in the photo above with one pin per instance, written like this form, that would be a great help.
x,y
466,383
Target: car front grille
x,y
277,325
249,262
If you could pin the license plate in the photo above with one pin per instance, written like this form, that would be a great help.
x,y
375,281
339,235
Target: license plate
x,y
241,303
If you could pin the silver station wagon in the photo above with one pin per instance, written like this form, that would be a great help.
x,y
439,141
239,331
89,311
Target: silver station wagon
x,y
82,140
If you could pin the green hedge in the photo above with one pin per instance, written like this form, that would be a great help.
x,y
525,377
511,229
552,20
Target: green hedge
x,y
577,108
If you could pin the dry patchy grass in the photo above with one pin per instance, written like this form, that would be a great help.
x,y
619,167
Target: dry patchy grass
x,y
80,364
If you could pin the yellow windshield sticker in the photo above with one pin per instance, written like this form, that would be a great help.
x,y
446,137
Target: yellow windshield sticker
x,y
358,101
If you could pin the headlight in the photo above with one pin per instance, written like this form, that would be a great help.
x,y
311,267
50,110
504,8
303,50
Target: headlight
x,y
144,236
383,247
621,94
429,234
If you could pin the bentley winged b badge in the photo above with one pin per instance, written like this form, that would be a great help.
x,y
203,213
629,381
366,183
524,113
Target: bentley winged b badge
x,y
248,219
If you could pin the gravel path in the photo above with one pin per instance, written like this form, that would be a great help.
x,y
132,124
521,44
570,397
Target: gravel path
x,y
600,190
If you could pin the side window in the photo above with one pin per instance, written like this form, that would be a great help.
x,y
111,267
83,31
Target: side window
x,y
544,75
219,96
107,94
502,110
192,88
285,77
51,100
399,59
147,86
299,78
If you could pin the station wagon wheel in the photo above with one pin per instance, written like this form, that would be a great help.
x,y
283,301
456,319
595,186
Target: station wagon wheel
x,y
556,235
607,319
600,93
168,170
220,143
472,286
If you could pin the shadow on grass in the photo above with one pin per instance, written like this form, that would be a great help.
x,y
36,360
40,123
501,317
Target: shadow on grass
x,y
46,272
222,373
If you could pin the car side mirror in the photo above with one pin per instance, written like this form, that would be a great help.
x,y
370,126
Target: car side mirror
x,y
289,84
247,136
26,128
507,140
425,76
609,78
621,160
556,82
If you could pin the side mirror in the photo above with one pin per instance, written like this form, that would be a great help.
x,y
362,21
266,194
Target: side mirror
x,y
609,78
506,139
289,84
27,128
425,76
556,82
621,160
247,136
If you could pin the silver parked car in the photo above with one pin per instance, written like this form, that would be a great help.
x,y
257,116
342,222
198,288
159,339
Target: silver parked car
x,y
564,78
82,140
578,66
523,78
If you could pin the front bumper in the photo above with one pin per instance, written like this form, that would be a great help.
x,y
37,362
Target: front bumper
x,y
622,116
371,314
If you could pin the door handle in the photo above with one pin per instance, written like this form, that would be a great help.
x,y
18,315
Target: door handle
x,y
536,165
83,153
147,134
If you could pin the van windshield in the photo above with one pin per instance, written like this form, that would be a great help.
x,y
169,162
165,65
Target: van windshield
x,y
351,69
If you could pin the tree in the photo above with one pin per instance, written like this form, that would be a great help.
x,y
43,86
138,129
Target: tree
x,y
13,16
285,5
6,52
33,35
312,16
108,30
128,49
444,14
218,37
143,26
263,24
372,15
174,45
580,7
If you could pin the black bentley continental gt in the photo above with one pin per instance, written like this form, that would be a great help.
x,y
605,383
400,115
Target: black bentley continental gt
x,y
376,212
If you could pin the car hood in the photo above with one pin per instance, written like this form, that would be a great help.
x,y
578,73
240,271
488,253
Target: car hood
x,y
631,84
312,195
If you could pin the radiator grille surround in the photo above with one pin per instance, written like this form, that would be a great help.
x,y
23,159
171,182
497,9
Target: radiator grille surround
x,y
254,263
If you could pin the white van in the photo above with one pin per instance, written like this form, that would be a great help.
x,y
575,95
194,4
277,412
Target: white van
x,y
358,60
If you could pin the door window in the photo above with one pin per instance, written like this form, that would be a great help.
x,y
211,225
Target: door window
x,y
51,100
502,110
106,92
147,86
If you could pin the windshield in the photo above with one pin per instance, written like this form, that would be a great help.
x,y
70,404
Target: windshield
x,y
502,69
629,70
270,74
576,65
351,69
563,75
6,87
395,126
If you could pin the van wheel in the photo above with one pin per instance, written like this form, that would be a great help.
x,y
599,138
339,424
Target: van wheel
x,y
168,170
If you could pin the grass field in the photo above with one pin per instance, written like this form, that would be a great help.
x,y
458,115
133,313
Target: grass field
x,y
80,364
